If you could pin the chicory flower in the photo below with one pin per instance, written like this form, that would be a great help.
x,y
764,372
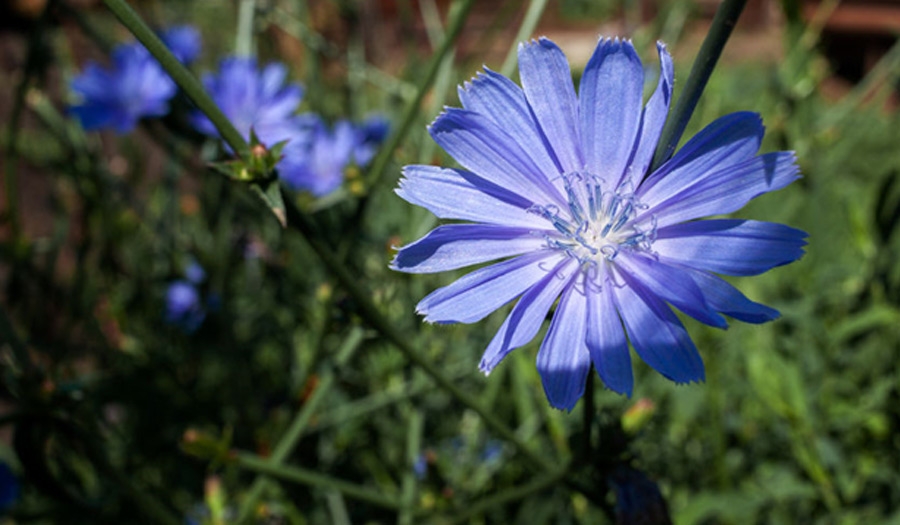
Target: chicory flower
x,y
556,184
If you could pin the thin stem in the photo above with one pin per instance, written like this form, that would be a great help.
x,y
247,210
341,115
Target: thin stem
x,y
459,11
291,437
308,477
508,496
413,450
724,21
532,17
370,312
185,80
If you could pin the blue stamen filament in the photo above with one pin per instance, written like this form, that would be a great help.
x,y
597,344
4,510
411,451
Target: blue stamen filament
x,y
599,223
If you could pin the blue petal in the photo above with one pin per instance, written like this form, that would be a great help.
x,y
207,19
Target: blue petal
x,y
730,246
458,194
653,118
477,294
725,190
482,147
606,340
729,300
611,95
547,82
455,246
671,284
528,315
728,140
656,334
501,100
563,361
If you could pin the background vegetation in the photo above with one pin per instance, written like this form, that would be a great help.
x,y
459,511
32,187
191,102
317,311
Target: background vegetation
x,y
292,404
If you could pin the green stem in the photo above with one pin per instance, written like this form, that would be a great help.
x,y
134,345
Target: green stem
x,y
516,494
370,312
459,11
291,437
532,17
724,21
185,80
307,477
408,485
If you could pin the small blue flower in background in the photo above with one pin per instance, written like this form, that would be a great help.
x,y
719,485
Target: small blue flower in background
x,y
318,160
116,97
183,41
557,186
253,99
195,273
9,488
184,305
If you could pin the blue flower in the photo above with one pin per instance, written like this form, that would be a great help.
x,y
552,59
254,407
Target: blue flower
x,y
557,186
253,99
183,41
317,161
183,306
116,97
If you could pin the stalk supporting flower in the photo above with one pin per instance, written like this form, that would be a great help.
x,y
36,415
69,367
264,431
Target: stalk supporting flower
x,y
556,185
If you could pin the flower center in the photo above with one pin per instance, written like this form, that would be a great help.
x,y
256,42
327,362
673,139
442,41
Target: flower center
x,y
599,222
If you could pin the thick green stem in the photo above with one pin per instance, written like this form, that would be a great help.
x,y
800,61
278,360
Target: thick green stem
x,y
724,21
458,14
185,80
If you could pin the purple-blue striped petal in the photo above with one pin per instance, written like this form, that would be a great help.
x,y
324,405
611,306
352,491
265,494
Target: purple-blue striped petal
x,y
547,82
483,148
653,119
671,284
606,340
656,333
610,96
459,245
726,141
730,246
475,295
727,299
459,194
726,190
526,317
563,360
503,102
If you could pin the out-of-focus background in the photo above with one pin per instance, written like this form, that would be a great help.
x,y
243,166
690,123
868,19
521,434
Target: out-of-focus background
x,y
114,410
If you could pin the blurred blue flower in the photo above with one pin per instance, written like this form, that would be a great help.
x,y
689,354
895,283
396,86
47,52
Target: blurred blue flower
x,y
183,306
195,273
183,41
133,86
9,488
420,467
555,184
253,98
318,160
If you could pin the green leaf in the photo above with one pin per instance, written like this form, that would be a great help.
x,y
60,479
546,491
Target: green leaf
x,y
270,193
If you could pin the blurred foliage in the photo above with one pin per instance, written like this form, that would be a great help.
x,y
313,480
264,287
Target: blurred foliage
x,y
123,418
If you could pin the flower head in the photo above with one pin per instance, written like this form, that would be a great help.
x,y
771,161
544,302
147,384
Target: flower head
x,y
183,41
116,97
556,185
253,98
317,161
